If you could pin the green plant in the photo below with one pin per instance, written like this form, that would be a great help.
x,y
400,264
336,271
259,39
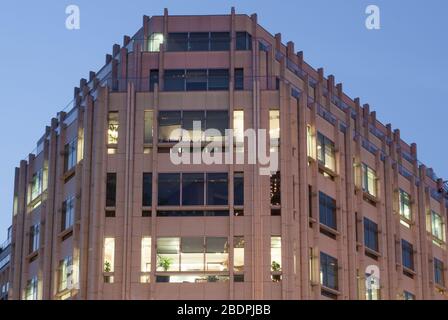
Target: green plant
x,y
275,266
164,262
107,266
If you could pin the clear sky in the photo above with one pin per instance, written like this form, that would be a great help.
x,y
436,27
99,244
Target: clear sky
x,y
400,70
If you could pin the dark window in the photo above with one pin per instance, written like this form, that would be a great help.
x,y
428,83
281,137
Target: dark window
x,y
370,234
177,41
329,271
438,272
196,80
188,119
169,189
275,189
193,213
327,211
277,83
168,122
153,78
218,120
238,188
219,41
407,252
199,41
239,79
218,79
217,189
111,189
147,190
146,213
238,278
174,80
243,41
310,201
192,189
110,213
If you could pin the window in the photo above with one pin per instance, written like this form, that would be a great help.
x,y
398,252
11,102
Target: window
x,y
408,295
113,125
328,271
216,254
154,42
111,189
68,213
238,189
405,205
148,127
168,254
192,189
373,289
326,152
309,142
174,80
196,80
368,180
219,121
437,226
275,189
31,289
199,41
177,41
274,130
239,79
34,238
407,252
37,184
192,120
109,259
238,130
371,234
192,254
439,277
276,258
147,190
70,155
217,189
218,79
238,254
243,41
153,79
65,277
169,189
219,41
169,121
193,213
327,211
145,259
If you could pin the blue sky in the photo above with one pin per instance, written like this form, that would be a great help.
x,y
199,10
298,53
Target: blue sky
x,y
400,70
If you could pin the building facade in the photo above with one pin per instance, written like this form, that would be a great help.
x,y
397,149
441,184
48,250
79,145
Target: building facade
x,y
5,258
101,211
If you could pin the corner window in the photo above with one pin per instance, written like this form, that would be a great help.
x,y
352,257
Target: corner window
x,y
154,42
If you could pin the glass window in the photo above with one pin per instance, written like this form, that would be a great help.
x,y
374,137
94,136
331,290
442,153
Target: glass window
x,y
36,184
369,180
373,288
405,205
407,251
148,126
177,41
34,238
169,189
192,189
219,121
109,255
192,254
437,226
147,190
65,274
31,289
188,121
70,154
238,189
196,80
328,271
276,255
309,142
327,211
219,41
274,130
238,254
439,277
168,122
325,152
174,80
218,79
111,189
243,41
153,79
370,234
154,42
408,295
275,189
146,254
238,130
217,189
239,79
113,125
168,250
216,254
68,213
199,41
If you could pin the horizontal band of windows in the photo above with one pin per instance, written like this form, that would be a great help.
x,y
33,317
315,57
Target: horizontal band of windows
x,y
193,213
191,278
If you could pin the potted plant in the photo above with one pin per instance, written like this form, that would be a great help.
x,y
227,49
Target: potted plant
x,y
107,269
276,268
165,264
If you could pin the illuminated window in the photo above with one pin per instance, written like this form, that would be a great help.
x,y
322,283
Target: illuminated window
x,y
405,205
112,130
238,254
372,287
309,142
109,259
168,252
216,254
326,152
276,258
275,189
238,130
437,226
328,271
369,180
154,42
274,130
34,238
145,259
70,155
148,127
192,254
408,295
439,270
31,289
68,213
65,276
169,121
37,184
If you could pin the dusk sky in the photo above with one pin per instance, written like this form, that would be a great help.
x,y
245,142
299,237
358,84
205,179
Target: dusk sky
x,y
400,70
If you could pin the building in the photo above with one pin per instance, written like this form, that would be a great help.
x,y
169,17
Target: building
x,y
102,212
5,258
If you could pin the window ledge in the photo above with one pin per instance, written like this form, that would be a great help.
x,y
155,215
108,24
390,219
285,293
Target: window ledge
x,y
373,252
440,288
370,197
32,255
329,229
68,174
410,271
328,171
65,232
330,290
